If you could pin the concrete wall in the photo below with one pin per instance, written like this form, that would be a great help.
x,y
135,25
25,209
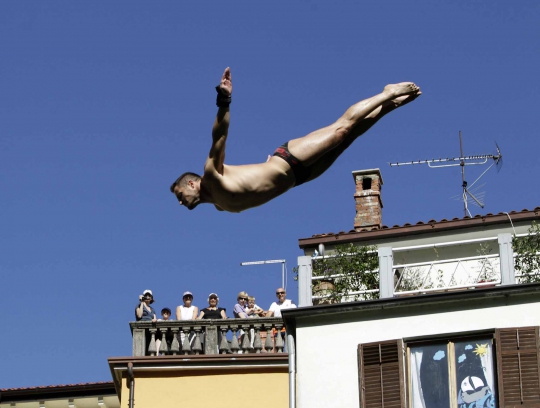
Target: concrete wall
x,y
208,388
327,360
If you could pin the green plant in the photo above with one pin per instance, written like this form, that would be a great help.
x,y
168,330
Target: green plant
x,y
416,278
487,270
527,261
440,278
356,268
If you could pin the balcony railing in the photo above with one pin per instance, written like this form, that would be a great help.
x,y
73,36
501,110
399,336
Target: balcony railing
x,y
447,272
443,266
208,336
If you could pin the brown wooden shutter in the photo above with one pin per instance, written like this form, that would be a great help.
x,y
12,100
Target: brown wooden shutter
x,y
518,367
381,375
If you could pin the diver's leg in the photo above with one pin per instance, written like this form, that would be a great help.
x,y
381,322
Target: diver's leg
x,y
321,165
310,148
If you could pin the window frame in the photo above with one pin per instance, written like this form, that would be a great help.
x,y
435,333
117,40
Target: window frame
x,y
450,340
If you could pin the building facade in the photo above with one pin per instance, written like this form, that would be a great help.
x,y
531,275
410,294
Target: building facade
x,y
466,349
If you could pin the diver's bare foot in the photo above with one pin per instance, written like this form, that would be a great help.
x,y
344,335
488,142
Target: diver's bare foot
x,y
403,88
405,99
395,103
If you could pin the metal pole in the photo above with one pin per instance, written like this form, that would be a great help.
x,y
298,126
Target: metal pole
x,y
272,261
463,182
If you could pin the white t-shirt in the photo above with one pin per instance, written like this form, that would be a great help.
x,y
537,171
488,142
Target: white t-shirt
x,y
276,307
186,313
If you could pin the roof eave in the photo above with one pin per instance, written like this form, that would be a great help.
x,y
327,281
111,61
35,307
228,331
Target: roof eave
x,y
430,227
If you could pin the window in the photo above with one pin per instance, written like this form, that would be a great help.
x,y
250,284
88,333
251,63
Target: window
x,y
500,370
455,373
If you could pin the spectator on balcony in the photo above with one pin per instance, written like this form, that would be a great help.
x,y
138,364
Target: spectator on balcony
x,y
240,309
254,309
144,311
213,311
166,315
277,307
187,311
282,303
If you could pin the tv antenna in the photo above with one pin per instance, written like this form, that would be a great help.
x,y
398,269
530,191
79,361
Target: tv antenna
x,y
481,159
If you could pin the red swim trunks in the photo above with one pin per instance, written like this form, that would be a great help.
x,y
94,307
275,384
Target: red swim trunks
x,y
301,172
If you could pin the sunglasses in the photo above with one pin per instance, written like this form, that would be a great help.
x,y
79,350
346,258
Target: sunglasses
x,y
280,293
242,298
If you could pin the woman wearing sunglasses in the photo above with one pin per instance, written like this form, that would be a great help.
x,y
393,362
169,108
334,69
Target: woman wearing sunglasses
x,y
241,310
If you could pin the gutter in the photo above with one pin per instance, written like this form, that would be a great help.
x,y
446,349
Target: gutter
x,y
292,370
131,378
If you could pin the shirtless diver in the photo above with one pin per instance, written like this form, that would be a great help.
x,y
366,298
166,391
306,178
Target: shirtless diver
x,y
237,188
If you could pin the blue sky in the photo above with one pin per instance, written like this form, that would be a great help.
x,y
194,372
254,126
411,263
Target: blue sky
x,y
103,105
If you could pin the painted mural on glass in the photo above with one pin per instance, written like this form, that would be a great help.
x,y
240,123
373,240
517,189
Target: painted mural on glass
x,y
474,374
431,369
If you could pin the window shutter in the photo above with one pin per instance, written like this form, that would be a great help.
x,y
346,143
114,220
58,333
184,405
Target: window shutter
x,y
518,367
381,375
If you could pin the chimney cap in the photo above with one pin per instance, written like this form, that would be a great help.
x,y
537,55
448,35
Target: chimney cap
x,y
368,172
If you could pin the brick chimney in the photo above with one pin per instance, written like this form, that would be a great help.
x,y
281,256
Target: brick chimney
x,y
368,199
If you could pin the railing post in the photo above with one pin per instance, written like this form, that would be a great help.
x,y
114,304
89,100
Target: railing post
x,y
211,340
506,255
196,348
139,342
304,281
386,272
152,350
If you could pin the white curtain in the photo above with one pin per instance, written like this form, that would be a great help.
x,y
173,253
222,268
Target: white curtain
x,y
487,365
416,386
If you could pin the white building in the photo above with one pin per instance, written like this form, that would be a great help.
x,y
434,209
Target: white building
x,y
441,350
465,336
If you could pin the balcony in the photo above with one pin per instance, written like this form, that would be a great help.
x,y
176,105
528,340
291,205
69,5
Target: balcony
x,y
207,336
412,270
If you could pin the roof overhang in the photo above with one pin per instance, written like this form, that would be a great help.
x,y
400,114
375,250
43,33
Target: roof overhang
x,y
216,362
290,316
420,228
69,391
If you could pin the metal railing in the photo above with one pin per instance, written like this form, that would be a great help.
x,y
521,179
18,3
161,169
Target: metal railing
x,y
421,275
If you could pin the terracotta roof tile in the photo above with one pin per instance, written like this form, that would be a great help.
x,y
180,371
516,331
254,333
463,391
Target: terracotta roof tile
x,y
536,210
39,387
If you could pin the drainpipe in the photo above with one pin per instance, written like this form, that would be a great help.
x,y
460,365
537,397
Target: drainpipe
x,y
292,370
131,385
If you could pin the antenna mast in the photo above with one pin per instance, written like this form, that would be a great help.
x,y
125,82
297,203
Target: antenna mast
x,y
462,161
